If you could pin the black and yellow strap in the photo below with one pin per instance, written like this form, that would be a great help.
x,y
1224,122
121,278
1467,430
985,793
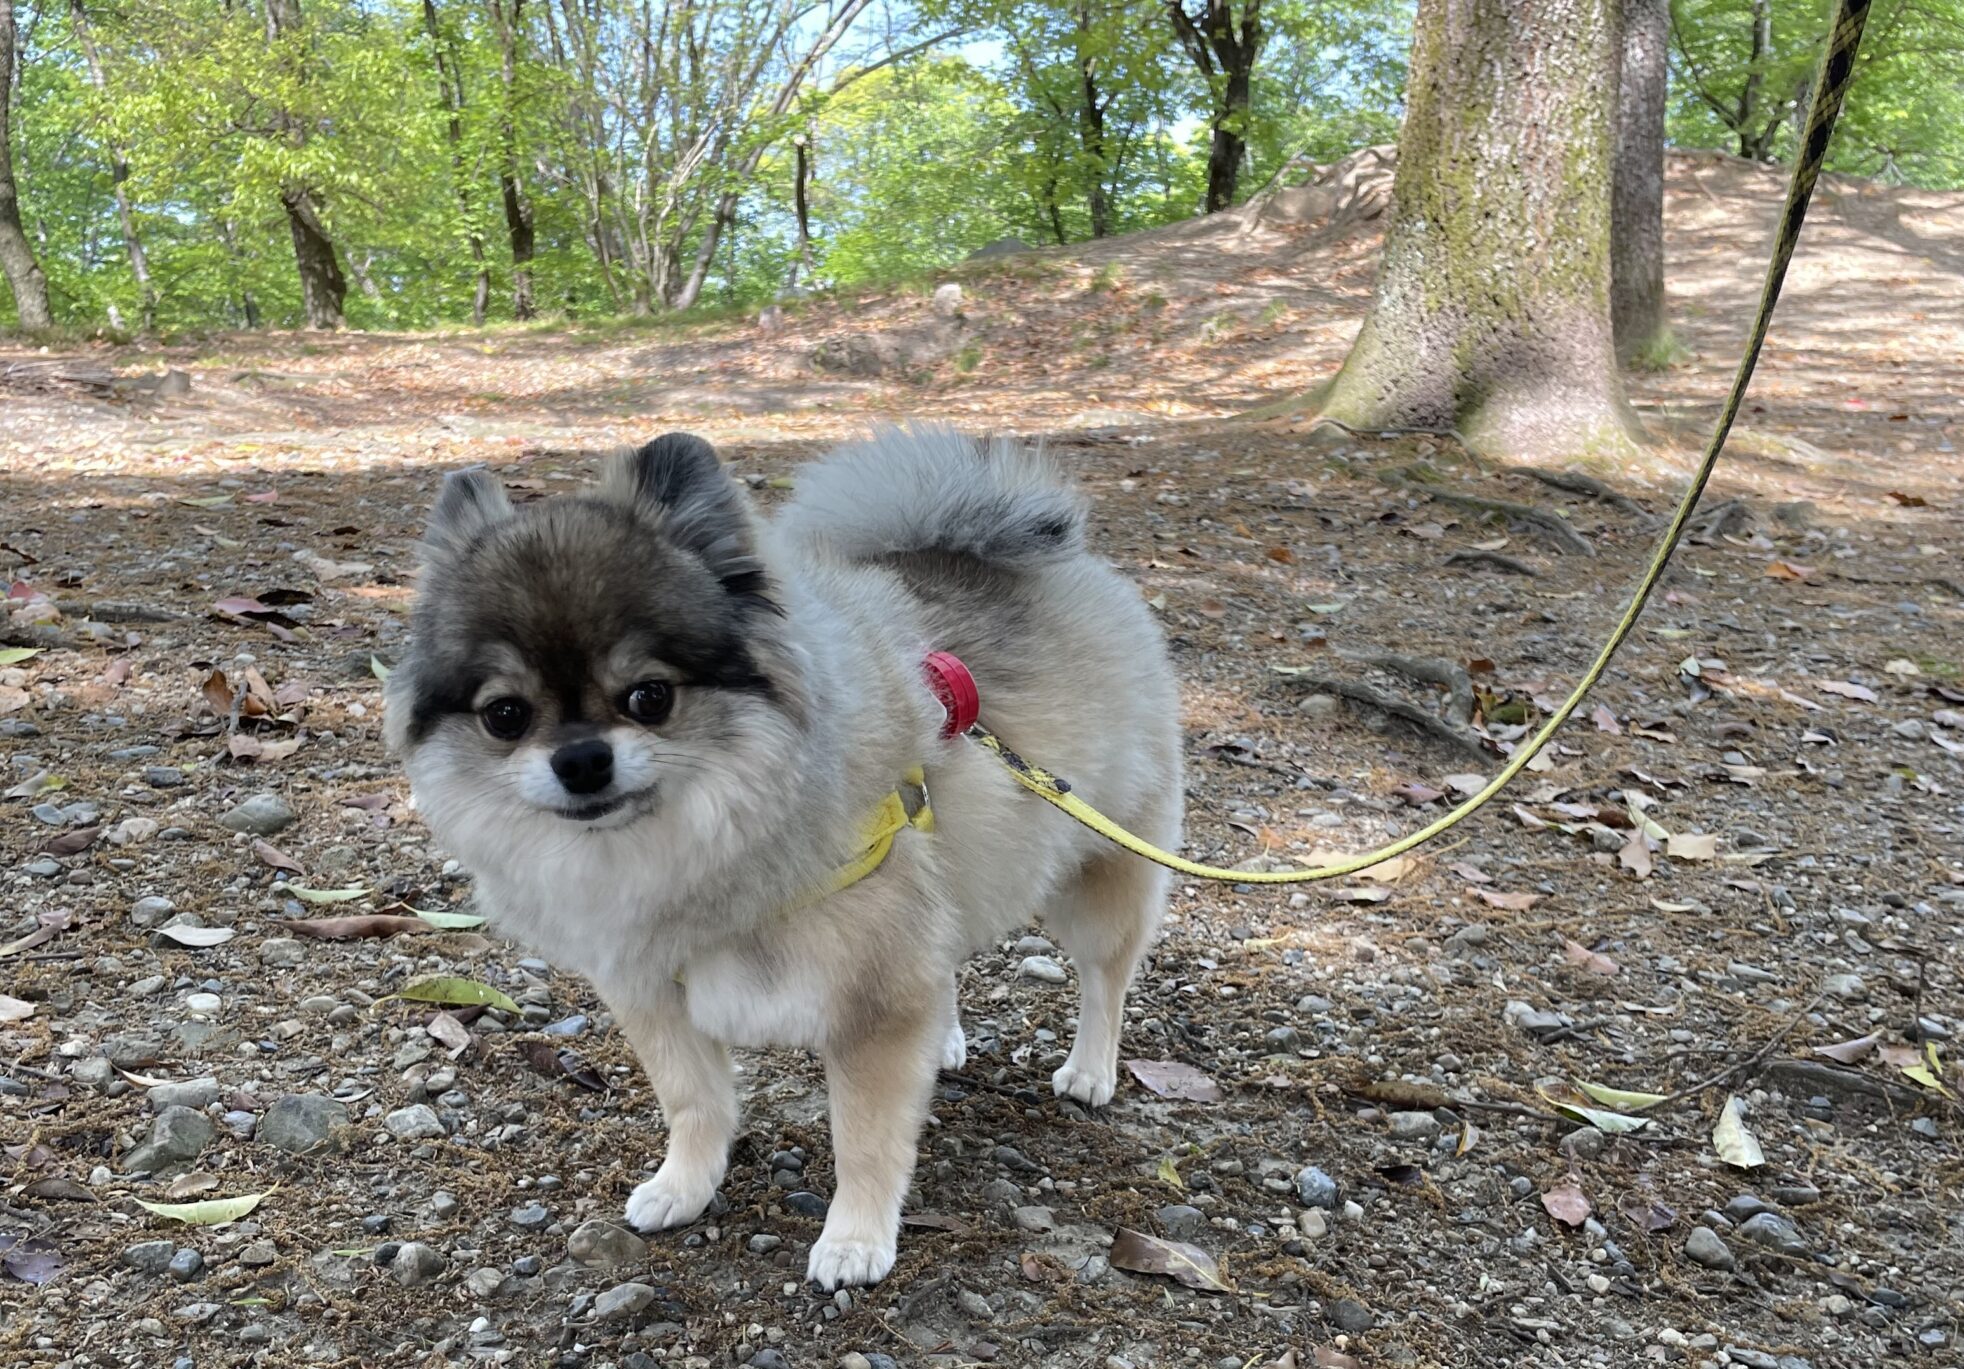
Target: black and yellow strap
x,y
1830,85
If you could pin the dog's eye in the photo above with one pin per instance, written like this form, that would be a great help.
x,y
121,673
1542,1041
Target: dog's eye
x,y
506,719
649,702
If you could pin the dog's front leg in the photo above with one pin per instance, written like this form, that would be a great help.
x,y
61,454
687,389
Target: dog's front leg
x,y
879,1086
691,1076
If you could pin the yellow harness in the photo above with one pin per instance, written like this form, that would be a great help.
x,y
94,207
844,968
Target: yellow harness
x,y
907,806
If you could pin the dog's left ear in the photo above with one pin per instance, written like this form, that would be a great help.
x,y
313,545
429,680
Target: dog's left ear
x,y
679,480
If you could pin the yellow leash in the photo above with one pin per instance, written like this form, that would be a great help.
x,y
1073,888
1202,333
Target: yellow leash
x,y
1830,84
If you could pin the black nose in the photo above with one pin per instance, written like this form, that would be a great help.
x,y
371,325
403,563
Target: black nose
x,y
584,767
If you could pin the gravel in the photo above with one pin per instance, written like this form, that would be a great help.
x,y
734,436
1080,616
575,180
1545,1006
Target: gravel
x,y
623,1301
415,1264
186,1265
190,1093
605,1245
1314,1188
261,815
417,1122
149,1257
1042,969
1703,1247
179,1134
1775,1232
301,1121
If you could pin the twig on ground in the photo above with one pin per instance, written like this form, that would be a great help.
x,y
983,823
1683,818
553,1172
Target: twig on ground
x,y
1361,693
1820,1078
1575,482
1491,558
1450,675
1749,1064
1558,529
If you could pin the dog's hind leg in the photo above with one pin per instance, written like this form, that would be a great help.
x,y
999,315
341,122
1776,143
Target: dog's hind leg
x,y
691,1077
1104,918
954,1042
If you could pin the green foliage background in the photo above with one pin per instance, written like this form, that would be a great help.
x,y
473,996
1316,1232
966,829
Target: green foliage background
x,y
918,160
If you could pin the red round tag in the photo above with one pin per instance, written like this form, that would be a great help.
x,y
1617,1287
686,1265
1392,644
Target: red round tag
x,y
955,688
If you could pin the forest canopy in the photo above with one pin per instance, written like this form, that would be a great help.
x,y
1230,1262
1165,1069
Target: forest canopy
x,y
187,164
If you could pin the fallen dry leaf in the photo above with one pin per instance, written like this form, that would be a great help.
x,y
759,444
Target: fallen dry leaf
x,y
1595,962
278,859
1183,1263
1860,693
1171,1079
1735,1144
351,928
1605,720
1849,1052
1788,570
72,842
1508,902
1567,1204
1691,846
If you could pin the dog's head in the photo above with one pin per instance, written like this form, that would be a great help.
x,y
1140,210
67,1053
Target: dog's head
x,y
594,661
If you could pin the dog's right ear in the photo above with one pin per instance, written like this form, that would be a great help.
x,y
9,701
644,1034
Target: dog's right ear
x,y
471,503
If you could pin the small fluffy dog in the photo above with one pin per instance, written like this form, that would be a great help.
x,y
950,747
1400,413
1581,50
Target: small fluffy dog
x,y
653,725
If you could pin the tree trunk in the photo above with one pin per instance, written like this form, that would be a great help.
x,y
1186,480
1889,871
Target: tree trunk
x,y
801,202
1091,136
450,81
518,210
1636,234
323,289
119,172
1753,144
17,261
1224,54
1491,315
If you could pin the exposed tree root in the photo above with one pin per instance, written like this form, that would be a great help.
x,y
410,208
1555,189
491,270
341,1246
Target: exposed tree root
x,y
1358,692
1720,519
1558,529
1575,482
1490,558
1450,675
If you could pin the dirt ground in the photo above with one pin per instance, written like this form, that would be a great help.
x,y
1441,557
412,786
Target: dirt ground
x,y
1786,724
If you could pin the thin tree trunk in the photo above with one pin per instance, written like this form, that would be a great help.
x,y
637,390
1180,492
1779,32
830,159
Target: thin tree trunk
x,y
1091,129
17,261
726,203
323,289
248,306
1491,315
1751,144
518,209
801,202
1636,235
119,171
450,80
1224,53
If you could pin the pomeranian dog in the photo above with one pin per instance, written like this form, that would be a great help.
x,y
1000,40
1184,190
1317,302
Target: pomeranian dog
x,y
653,724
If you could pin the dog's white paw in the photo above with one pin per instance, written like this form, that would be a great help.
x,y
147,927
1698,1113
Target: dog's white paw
x,y
954,1047
849,1263
669,1200
1092,1087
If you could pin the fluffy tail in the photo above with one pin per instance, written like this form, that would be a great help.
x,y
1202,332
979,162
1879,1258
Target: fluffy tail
x,y
928,488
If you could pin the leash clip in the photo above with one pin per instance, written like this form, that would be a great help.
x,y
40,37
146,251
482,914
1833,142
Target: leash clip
x,y
951,683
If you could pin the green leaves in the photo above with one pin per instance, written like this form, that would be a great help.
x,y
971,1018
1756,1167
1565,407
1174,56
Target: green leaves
x,y
209,1212
455,991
